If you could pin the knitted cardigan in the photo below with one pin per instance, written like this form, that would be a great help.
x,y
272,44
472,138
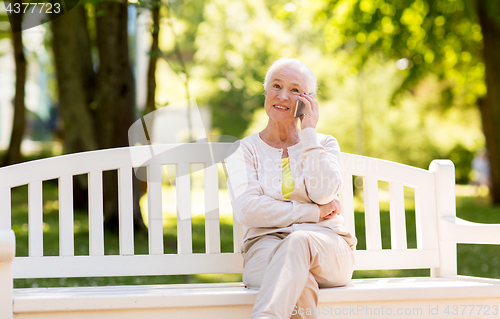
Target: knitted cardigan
x,y
255,178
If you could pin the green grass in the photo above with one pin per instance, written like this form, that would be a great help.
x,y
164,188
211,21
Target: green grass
x,y
473,260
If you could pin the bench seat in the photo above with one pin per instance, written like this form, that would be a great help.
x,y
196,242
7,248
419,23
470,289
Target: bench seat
x,y
206,300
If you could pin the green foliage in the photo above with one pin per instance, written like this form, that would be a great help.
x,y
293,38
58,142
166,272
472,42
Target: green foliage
x,y
441,37
227,47
439,46
356,109
5,30
181,22
462,158
234,42
235,47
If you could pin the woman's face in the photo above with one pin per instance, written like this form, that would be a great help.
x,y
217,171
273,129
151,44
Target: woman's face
x,y
282,94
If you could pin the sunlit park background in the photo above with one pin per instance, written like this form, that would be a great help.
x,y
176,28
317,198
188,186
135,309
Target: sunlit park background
x,y
403,80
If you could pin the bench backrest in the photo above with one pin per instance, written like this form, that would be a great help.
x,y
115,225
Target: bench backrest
x,y
63,168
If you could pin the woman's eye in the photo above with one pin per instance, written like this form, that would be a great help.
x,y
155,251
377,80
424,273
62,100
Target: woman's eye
x,y
277,86
295,90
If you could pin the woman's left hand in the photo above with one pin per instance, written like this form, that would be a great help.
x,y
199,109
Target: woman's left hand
x,y
333,208
311,114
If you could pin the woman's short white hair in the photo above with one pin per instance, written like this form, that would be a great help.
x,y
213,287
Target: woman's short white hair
x,y
305,71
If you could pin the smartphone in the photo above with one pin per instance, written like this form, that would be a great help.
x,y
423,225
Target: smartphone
x,y
300,108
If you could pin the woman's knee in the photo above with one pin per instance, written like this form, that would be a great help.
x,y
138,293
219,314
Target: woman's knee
x,y
298,239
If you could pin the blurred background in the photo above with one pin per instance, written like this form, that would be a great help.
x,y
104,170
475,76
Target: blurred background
x,y
403,80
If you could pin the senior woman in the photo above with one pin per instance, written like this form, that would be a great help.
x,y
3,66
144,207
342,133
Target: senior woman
x,y
284,182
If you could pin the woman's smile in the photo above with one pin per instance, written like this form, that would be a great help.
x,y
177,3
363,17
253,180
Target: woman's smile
x,y
281,107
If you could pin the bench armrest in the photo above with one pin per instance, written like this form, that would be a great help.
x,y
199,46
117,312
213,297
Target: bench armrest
x,y
465,232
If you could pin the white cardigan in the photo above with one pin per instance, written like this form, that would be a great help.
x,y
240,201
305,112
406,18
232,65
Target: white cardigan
x,y
255,178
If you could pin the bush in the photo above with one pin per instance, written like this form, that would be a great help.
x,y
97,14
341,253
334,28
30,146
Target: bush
x,y
462,158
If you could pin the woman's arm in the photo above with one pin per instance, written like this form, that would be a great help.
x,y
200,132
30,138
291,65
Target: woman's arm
x,y
255,209
321,166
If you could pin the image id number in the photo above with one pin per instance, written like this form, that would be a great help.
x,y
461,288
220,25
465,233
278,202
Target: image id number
x,y
471,310
26,7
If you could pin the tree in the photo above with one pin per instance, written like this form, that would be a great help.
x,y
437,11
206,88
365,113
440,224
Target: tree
x,y
115,95
13,154
153,59
457,40
489,16
96,108
76,80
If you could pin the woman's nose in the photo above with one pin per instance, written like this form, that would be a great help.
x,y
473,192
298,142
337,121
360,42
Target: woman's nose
x,y
283,95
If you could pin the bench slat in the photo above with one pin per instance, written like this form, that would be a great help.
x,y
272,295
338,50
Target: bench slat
x,y
35,219
237,235
183,264
96,218
66,223
126,211
183,193
372,213
347,203
397,259
425,219
212,228
116,265
5,208
397,215
237,227
110,159
387,171
155,216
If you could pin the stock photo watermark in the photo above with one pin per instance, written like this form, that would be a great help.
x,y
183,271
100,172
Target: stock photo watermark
x,y
167,135
455,310
25,14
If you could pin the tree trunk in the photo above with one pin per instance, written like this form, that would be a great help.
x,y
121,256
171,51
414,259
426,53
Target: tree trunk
x,y
153,59
13,154
75,79
115,93
76,83
140,187
490,105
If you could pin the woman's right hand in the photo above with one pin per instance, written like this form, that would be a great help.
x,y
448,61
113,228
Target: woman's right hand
x,y
329,210
311,115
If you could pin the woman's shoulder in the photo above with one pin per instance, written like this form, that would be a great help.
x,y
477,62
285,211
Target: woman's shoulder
x,y
250,141
248,145
326,139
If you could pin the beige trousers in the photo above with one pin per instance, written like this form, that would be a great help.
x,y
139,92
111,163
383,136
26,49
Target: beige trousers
x,y
289,269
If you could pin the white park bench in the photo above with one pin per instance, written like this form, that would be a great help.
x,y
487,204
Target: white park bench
x,y
438,230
